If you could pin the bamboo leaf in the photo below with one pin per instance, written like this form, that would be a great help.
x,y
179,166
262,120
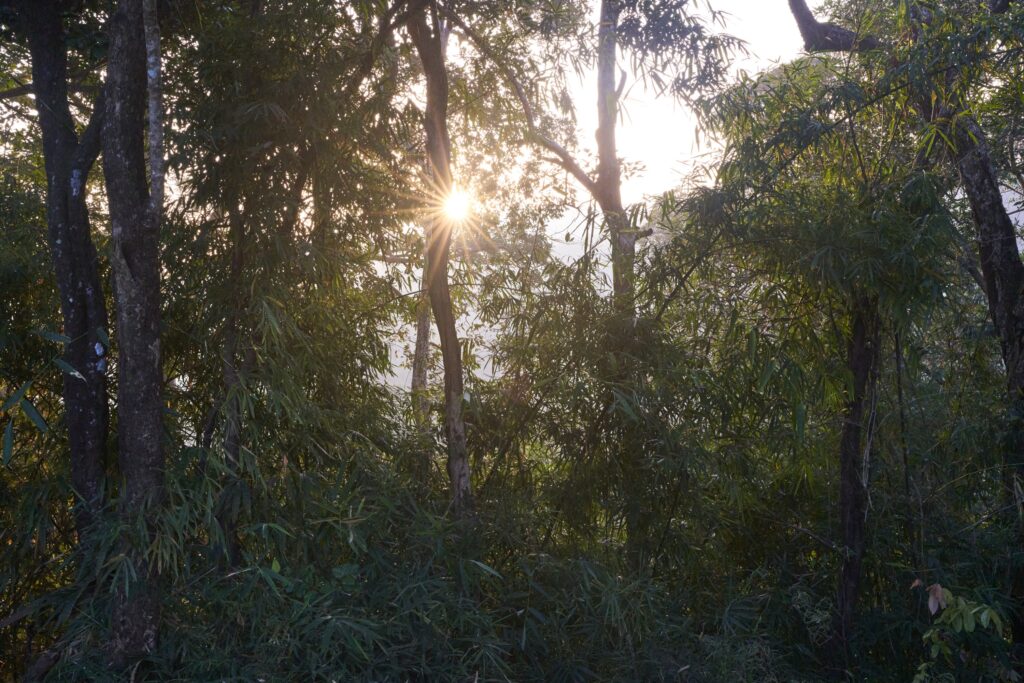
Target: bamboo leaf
x,y
15,397
66,367
9,441
54,336
33,414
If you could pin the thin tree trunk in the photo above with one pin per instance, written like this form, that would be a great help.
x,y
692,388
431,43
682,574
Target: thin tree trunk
x,y
862,360
429,45
232,380
913,529
68,161
607,191
904,446
421,356
608,188
420,400
234,374
135,222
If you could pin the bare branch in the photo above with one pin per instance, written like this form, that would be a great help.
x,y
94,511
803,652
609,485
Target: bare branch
x,y
29,89
19,91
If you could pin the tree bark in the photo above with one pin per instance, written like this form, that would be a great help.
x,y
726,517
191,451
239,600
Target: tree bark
x,y
421,355
418,389
68,160
861,361
824,37
135,223
607,192
429,45
608,187
1003,275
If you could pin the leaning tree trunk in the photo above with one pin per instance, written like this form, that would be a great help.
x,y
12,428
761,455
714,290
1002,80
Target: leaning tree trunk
x,y
68,161
1003,275
429,45
135,222
862,360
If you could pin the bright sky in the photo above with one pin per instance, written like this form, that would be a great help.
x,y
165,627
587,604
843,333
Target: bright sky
x,y
660,133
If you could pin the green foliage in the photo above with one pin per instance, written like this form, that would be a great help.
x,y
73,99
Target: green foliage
x,y
291,252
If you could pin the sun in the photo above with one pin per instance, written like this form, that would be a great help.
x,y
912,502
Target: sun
x,y
457,205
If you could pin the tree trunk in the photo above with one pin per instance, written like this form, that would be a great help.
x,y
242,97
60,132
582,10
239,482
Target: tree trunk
x,y
226,517
1003,275
862,360
607,191
421,358
608,188
1001,267
429,45
135,223
68,161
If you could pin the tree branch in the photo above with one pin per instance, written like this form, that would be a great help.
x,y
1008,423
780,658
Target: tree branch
x,y
16,616
826,37
19,91
564,158
29,89
89,144
389,21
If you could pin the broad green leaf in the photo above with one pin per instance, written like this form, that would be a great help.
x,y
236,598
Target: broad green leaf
x,y
969,622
